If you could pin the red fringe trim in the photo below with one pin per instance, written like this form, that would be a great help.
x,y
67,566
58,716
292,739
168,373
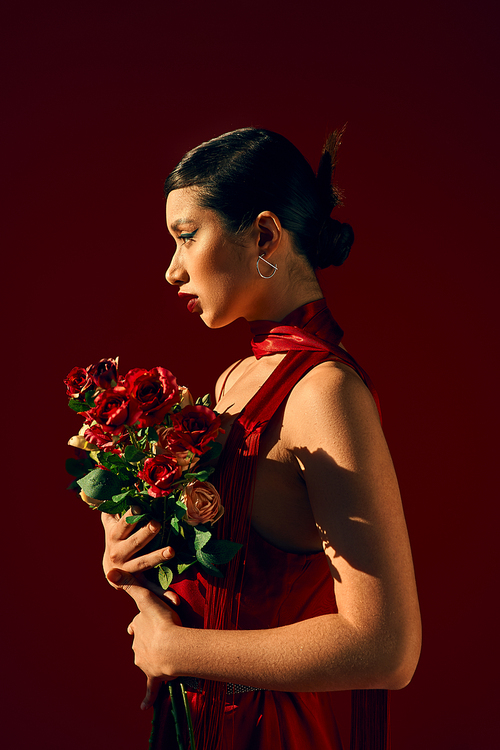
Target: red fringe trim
x,y
370,720
235,479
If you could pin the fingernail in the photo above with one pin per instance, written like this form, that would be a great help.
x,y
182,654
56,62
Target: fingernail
x,y
154,526
168,552
114,576
144,706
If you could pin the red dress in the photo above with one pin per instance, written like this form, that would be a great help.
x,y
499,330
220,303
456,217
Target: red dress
x,y
277,588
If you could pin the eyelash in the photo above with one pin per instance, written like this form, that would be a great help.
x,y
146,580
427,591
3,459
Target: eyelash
x,y
185,236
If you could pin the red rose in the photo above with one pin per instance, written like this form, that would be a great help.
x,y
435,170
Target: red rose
x,y
155,391
160,472
101,440
104,373
113,409
77,381
193,429
203,503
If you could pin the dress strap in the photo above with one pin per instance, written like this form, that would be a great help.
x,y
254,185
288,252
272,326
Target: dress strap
x,y
260,409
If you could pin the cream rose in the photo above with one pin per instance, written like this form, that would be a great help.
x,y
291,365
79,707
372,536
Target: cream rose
x,y
203,503
90,500
186,398
78,441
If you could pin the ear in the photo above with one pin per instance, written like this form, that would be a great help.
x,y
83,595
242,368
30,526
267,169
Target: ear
x,y
269,232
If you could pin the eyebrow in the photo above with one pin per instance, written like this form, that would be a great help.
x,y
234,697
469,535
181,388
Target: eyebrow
x,y
177,223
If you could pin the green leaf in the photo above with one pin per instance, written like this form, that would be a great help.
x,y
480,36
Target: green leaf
x,y
111,507
180,510
213,453
151,434
165,576
133,455
220,551
201,538
206,563
77,405
135,519
89,397
205,401
123,496
100,484
76,467
174,524
181,567
115,464
200,476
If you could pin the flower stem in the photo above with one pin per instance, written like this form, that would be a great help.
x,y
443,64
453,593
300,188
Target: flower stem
x,y
133,437
175,714
192,743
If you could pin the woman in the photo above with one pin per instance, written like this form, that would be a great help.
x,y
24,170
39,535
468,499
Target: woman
x,y
322,597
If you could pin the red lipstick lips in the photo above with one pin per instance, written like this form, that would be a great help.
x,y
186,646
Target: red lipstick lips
x,y
191,301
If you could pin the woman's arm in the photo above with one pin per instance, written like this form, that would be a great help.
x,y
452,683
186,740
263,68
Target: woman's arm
x,y
374,639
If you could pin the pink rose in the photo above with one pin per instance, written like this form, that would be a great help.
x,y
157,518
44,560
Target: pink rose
x,y
77,381
194,428
114,409
155,391
160,472
203,503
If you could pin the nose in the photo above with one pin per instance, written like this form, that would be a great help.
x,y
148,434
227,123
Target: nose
x,y
175,274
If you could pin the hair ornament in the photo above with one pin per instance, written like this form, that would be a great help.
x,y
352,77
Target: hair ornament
x,y
275,268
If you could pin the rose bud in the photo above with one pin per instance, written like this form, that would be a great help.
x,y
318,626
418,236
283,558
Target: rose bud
x,y
160,472
77,381
203,503
194,428
186,398
155,391
104,373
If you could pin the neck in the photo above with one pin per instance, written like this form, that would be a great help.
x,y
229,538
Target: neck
x,y
281,302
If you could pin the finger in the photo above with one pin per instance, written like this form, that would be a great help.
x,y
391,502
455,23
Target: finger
x,y
148,561
155,588
172,596
142,597
152,688
122,530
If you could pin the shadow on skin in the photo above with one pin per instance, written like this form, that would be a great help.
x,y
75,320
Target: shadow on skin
x,y
353,534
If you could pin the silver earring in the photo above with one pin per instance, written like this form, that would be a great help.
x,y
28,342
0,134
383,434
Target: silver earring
x,y
261,257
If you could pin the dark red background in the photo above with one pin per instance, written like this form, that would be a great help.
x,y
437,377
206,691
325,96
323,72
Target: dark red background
x,y
101,100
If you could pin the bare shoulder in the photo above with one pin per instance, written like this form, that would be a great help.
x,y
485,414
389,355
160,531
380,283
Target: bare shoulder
x,y
333,387
230,375
332,409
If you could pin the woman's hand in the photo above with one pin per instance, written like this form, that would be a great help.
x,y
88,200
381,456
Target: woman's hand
x,y
153,630
124,542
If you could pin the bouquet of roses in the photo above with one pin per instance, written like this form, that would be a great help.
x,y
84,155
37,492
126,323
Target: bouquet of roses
x,y
146,445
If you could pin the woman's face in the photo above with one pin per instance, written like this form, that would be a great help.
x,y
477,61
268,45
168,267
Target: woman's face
x,y
218,275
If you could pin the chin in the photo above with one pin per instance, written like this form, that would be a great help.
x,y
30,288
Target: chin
x,y
216,322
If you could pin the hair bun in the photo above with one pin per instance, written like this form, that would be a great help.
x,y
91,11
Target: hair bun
x,y
334,244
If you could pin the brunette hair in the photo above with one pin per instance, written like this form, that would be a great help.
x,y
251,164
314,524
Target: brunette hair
x,y
241,173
